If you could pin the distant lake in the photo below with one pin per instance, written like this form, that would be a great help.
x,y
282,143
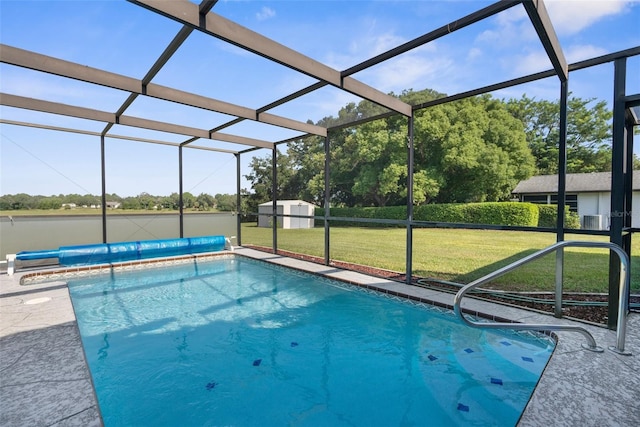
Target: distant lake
x,y
24,233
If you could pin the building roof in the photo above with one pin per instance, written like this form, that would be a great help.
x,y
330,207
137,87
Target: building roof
x,y
286,203
576,183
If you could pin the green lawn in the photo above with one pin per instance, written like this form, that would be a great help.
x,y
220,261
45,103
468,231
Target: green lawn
x,y
457,255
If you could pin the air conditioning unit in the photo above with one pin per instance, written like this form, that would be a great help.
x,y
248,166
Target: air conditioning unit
x,y
593,222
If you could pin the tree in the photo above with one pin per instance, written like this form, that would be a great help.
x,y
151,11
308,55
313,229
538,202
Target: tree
x,y
131,203
588,133
146,200
473,148
141,201
170,202
52,202
17,201
301,168
375,154
261,178
374,161
369,161
188,200
470,150
306,157
226,202
205,202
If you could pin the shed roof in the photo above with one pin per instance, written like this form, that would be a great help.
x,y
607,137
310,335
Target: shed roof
x,y
576,183
286,203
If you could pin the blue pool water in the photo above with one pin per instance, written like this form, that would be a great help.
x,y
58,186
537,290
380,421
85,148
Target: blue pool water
x,y
238,342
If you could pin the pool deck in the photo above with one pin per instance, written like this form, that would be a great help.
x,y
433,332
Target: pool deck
x,y
45,381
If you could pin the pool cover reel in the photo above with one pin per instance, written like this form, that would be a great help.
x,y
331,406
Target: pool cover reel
x,y
126,251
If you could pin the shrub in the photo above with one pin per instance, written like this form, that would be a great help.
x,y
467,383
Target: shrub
x,y
549,213
508,213
494,213
388,212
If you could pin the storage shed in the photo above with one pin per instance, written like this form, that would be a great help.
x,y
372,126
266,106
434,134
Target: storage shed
x,y
287,207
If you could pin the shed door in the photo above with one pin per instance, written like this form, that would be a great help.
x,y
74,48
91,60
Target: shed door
x,y
297,210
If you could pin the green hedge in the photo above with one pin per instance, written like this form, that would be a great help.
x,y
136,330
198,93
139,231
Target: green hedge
x,y
549,213
388,212
494,213
507,213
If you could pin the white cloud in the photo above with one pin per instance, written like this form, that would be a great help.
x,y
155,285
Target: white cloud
x,y
488,36
512,37
363,47
568,17
57,89
581,52
511,27
422,67
572,16
411,70
529,63
474,53
230,48
330,105
384,43
537,61
265,13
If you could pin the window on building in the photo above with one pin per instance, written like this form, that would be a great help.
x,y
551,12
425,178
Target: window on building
x,y
570,199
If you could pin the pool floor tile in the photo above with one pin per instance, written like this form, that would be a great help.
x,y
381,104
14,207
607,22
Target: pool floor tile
x,y
462,407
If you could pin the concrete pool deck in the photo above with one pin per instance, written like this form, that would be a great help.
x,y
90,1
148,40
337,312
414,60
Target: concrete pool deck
x,y
44,380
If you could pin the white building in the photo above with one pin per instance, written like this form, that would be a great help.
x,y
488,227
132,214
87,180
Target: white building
x,y
287,207
588,194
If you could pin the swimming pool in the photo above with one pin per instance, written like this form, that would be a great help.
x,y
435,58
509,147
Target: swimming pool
x,y
235,341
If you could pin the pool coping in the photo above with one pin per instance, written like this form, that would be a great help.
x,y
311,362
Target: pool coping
x,y
45,379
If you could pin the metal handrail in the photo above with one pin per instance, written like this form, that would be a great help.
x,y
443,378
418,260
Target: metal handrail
x,y
591,343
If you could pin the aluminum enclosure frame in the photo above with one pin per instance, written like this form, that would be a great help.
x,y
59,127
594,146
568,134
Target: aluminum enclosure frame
x,y
201,18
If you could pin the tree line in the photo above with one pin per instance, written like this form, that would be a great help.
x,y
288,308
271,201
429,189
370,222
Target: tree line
x,y
472,150
143,201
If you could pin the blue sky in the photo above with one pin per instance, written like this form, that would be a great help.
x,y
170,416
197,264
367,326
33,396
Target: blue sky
x,y
123,38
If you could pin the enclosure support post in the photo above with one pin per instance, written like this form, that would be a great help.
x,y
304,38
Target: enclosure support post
x,y
327,199
617,183
180,199
274,190
104,189
410,159
238,203
562,184
628,205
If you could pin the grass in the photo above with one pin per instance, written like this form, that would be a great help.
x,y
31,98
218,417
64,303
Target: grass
x,y
457,255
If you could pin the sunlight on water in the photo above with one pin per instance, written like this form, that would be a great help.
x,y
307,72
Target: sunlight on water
x,y
238,342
